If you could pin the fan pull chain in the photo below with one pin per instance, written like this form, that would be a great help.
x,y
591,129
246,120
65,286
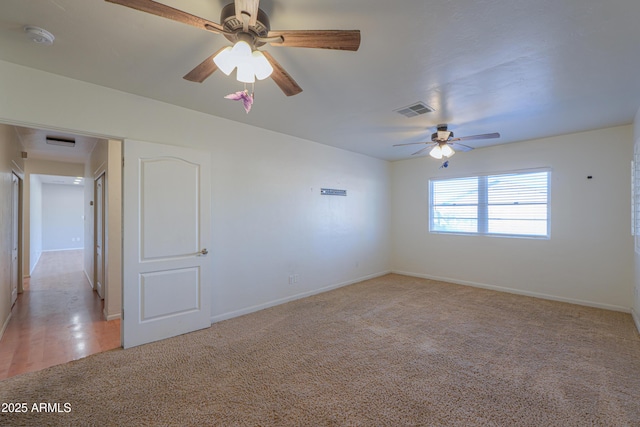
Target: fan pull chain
x,y
253,89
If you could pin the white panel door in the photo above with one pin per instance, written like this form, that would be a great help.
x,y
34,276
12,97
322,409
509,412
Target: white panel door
x,y
167,226
15,211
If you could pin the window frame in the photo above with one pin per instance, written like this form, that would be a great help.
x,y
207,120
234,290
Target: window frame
x,y
635,197
482,215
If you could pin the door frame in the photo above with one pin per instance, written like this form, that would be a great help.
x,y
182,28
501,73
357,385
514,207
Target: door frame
x,y
18,219
99,211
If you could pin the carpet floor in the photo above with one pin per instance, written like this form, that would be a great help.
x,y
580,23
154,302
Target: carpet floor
x,y
391,351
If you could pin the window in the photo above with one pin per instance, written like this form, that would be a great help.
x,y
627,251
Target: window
x,y
509,204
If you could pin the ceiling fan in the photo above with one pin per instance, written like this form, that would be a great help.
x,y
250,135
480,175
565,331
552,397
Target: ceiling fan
x,y
442,142
244,21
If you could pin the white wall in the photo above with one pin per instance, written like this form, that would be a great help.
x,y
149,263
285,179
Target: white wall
x,y
40,167
270,221
63,224
588,258
268,218
10,161
35,221
636,299
113,229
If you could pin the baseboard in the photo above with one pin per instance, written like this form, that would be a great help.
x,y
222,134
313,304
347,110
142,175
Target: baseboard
x,y
5,324
89,279
35,263
636,319
111,316
247,310
518,291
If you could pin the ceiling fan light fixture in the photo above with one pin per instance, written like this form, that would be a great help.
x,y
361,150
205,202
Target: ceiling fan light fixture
x,y
436,152
232,57
245,74
250,64
447,151
224,60
261,66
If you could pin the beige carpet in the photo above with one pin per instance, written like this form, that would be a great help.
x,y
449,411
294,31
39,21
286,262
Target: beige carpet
x,y
394,351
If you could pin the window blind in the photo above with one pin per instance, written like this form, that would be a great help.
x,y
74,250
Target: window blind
x,y
512,204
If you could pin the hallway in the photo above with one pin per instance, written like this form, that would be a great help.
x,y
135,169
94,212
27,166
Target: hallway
x,y
57,319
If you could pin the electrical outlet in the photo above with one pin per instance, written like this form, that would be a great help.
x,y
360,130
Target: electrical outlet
x,y
295,278
291,279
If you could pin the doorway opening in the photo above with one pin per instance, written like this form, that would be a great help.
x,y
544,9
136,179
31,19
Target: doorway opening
x,y
59,315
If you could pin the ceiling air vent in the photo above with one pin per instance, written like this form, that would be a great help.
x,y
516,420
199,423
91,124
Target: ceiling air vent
x,y
63,142
415,109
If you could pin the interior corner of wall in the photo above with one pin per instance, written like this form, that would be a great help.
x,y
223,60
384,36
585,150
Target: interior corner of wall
x,y
636,128
636,319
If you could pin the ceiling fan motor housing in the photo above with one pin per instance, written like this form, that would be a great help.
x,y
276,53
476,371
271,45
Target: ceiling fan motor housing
x,y
234,25
435,137
442,134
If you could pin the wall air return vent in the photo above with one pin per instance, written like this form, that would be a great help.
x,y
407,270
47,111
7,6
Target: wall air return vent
x,y
332,192
415,109
63,142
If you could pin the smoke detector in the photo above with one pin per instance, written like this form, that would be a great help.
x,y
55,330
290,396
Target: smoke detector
x,y
39,35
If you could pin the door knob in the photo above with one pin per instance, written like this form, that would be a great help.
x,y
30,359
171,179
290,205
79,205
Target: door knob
x,y
204,251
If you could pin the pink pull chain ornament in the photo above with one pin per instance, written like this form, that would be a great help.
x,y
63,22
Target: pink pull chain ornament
x,y
245,96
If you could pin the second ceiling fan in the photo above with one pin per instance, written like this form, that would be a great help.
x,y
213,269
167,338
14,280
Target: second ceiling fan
x,y
442,142
244,23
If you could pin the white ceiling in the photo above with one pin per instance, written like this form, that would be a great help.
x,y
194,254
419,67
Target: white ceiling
x,y
36,147
527,69
60,180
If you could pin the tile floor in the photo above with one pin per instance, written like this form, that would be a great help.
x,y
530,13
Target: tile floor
x,y
57,319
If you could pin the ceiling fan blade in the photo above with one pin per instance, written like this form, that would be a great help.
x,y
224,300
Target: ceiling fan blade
x,y
483,136
284,81
421,151
250,7
319,39
460,147
410,143
159,9
204,70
